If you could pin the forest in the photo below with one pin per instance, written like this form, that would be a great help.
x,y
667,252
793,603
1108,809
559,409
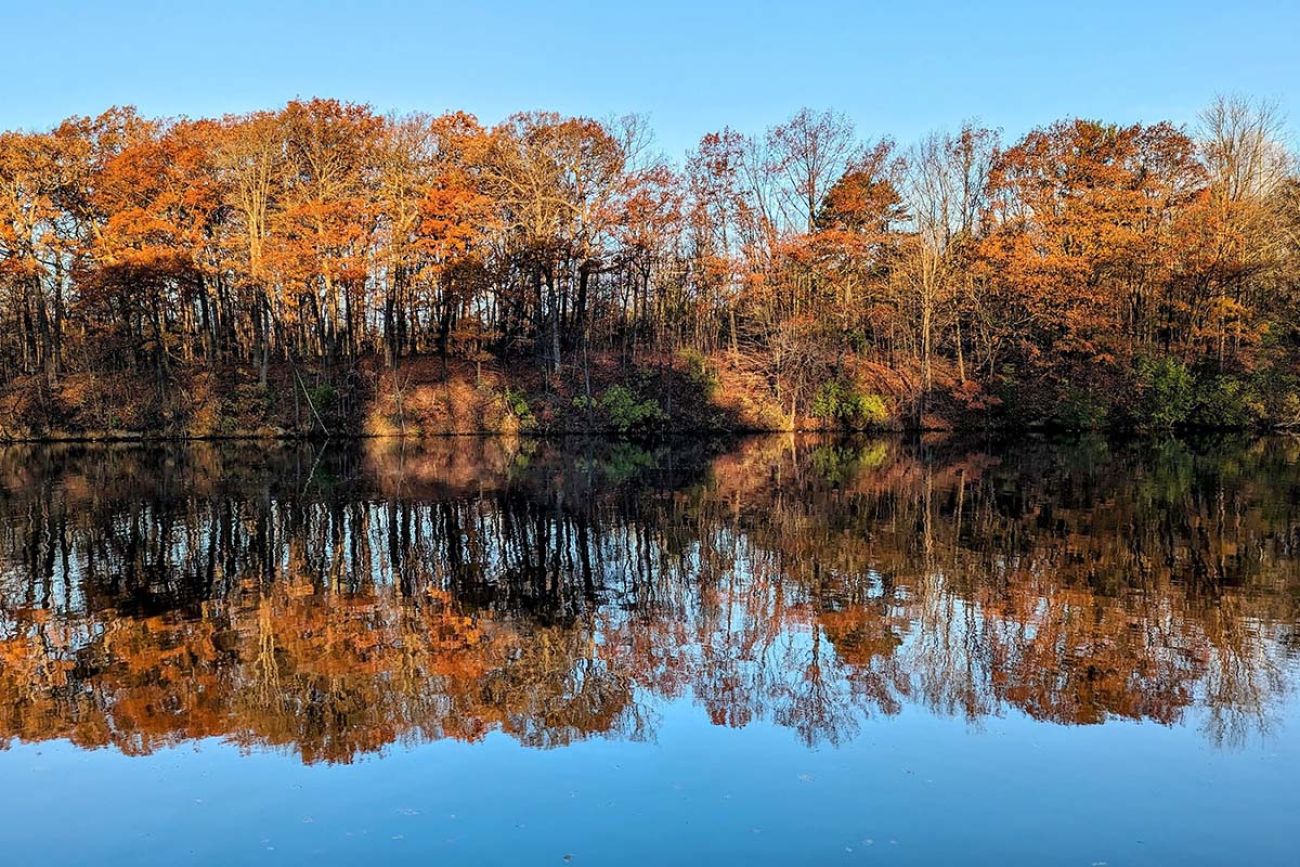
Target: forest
x,y
323,268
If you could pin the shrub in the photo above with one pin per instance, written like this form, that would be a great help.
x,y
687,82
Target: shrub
x,y
323,398
622,411
1167,394
700,371
1077,409
625,413
1278,394
1226,401
517,405
837,401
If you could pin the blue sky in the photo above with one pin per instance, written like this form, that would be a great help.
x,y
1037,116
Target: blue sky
x,y
897,68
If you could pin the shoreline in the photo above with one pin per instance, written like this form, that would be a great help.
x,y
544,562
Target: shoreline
x,y
129,438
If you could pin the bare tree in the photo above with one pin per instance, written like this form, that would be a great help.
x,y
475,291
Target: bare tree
x,y
809,152
945,189
1249,169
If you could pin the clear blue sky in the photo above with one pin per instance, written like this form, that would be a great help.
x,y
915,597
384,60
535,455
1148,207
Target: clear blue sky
x,y
901,67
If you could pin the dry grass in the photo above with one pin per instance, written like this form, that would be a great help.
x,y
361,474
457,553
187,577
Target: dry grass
x,y
427,397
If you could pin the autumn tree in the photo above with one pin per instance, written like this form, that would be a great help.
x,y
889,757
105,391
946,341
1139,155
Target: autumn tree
x,y
1082,249
249,161
557,181
945,192
1243,230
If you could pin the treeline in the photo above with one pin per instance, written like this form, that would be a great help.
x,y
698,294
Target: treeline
x,y
1087,274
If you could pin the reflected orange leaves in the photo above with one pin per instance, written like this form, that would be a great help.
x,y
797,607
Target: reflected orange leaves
x,y
336,603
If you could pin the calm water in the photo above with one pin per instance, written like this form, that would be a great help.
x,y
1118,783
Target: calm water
x,y
779,650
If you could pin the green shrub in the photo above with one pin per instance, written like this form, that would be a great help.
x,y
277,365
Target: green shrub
x,y
323,398
1167,393
621,410
700,371
626,413
1227,401
1078,409
839,402
517,405
1277,393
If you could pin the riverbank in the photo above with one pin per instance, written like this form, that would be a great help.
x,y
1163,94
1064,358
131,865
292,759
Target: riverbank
x,y
426,397
687,393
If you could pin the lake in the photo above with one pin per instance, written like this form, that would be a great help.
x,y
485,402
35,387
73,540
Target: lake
x,y
777,650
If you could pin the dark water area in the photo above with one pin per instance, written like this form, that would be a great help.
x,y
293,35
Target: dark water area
x,y
779,650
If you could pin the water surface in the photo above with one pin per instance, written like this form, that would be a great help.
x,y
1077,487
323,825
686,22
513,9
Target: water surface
x,y
778,650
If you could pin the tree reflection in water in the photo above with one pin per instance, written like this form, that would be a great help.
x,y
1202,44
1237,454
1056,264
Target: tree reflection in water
x,y
336,599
